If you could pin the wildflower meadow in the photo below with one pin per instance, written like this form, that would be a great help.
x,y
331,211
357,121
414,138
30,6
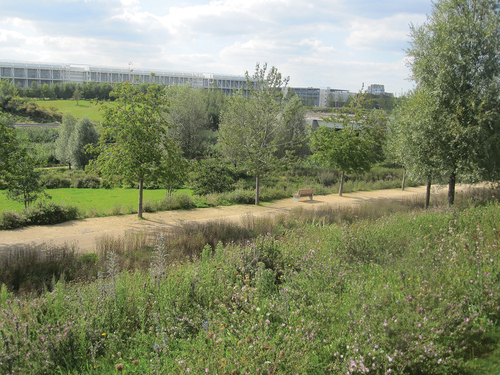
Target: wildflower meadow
x,y
413,292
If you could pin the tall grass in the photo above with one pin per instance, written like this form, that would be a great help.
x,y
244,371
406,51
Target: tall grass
x,y
384,288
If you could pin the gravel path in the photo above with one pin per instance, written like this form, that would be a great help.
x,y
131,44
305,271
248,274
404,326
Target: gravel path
x,y
84,232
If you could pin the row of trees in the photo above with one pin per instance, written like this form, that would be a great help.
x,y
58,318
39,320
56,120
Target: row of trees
x,y
74,136
448,127
68,90
371,101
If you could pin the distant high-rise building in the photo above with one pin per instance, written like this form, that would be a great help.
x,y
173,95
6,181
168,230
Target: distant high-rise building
x,y
376,89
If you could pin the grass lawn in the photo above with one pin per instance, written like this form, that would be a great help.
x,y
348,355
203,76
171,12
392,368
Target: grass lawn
x,y
84,107
99,199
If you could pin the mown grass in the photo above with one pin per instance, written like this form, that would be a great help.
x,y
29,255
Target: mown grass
x,y
84,107
413,292
97,202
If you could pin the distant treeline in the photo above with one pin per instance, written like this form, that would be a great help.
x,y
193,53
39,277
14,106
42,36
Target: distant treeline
x,y
68,90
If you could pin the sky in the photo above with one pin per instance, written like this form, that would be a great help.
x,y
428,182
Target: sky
x,y
340,44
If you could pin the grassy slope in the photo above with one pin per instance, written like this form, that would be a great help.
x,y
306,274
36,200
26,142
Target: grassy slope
x,y
69,106
101,199
411,293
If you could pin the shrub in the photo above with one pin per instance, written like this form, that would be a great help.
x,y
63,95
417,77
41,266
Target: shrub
x,y
107,184
327,178
178,202
87,182
213,177
91,182
11,220
54,181
43,212
240,196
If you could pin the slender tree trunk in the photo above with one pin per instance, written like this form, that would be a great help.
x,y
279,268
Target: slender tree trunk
x,y
257,188
141,185
451,188
428,193
341,183
69,166
404,179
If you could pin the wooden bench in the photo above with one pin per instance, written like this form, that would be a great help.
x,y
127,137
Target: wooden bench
x,y
303,193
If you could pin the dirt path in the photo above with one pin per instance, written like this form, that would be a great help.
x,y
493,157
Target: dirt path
x,y
84,232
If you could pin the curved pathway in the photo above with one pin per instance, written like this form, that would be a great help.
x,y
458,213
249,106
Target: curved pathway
x,y
83,233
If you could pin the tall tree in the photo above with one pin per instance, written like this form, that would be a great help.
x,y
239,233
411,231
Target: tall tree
x,y
413,137
350,148
134,140
63,152
188,116
455,59
9,144
84,134
251,127
214,101
23,180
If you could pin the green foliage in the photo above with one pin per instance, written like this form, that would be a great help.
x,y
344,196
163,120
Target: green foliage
x,y
409,293
40,213
37,134
23,180
351,148
55,180
8,92
214,101
44,213
213,177
63,153
89,181
343,149
4,295
84,134
413,136
188,116
253,128
9,144
454,58
35,112
134,141
11,220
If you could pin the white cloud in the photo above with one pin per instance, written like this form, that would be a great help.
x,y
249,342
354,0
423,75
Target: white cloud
x,y
129,3
374,33
317,42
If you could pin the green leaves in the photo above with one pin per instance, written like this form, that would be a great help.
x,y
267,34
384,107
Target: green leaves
x,y
343,149
134,140
23,180
261,129
350,148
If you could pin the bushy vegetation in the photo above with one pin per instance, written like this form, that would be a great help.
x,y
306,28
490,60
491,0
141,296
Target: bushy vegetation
x,y
40,213
408,293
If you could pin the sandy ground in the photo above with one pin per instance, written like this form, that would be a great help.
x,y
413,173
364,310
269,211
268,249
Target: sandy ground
x,y
83,233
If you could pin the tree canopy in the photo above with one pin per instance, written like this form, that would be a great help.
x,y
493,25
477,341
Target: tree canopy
x,y
23,179
84,134
455,61
350,148
63,152
134,140
253,127
9,145
188,116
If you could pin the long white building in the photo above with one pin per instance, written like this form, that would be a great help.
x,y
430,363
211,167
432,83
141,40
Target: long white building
x,y
25,73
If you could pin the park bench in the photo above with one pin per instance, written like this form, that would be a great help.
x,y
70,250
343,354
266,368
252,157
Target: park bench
x,y
303,193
